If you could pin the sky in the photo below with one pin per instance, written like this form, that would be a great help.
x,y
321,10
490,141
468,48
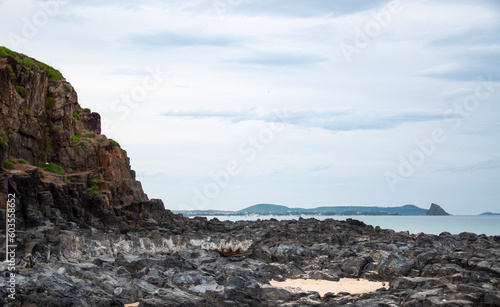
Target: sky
x,y
223,104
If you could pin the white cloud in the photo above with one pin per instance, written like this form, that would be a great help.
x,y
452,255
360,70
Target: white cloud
x,y
223,77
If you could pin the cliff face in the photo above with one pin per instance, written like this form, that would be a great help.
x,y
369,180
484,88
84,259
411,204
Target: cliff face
x,y
41,122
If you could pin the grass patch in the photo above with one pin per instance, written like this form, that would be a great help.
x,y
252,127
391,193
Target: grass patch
x,y
54,74
86,110
26,130
9,164
54,168
90,135
4,52
70,170
51,167
12,74
50,102
42,174
94,188
66,180
75,139
57,128
115,143
69,88
21,91
3,138
22,161
27,111
30,64
76,115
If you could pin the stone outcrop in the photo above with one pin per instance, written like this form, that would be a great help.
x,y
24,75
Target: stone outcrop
x,y
436,210
41,122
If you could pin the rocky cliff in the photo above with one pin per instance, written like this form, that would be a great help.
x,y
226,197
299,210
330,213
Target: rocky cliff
x,y
53,150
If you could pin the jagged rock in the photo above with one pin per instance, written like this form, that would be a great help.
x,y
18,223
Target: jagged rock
x,y
395,265
436,210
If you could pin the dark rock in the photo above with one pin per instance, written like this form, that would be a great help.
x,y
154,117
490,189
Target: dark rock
x,y
395,265
436,210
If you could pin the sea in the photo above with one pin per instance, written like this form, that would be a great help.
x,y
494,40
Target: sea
x,y
454,224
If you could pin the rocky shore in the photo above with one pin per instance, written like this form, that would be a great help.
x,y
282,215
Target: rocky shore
x,y
87,234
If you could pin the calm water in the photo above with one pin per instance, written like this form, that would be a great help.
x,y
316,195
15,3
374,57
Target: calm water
x,y
479,224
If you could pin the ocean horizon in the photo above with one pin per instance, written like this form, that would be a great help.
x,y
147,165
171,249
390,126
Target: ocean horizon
x,y
454,224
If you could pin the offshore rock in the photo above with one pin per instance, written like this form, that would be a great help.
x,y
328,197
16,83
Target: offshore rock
x,y
436,210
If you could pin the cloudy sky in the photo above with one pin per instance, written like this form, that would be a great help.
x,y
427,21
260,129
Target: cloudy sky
x,y
228,103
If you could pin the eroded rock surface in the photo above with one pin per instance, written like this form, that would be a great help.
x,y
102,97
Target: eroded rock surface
x,y
183,262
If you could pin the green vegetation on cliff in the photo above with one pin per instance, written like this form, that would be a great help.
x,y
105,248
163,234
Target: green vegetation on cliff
x,y
115,143
51,167
9,164
22,91
50,102
31,64
94,188
3,138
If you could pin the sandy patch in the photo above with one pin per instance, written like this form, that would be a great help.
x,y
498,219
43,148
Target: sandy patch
x,y
132,305
353,286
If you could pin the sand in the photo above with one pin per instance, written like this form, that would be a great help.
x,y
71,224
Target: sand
x,y
353,286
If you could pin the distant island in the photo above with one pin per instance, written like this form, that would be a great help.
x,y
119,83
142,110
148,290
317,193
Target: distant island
x,y
489,213
271,209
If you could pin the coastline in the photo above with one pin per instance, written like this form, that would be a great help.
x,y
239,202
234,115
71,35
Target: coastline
x,y
454,224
